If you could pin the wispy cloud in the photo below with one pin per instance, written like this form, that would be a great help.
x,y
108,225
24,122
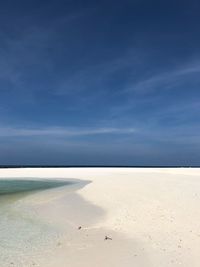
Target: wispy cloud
x,y
163,80
60,131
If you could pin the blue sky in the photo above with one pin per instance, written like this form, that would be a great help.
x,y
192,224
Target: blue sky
x,y
100,82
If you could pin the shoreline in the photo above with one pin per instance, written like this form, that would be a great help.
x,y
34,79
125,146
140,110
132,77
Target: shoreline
x,y
151,215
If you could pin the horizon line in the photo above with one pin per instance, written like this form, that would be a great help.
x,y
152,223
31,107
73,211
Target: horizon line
x,y
94,166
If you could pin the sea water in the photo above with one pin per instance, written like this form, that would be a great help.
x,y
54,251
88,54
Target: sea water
x,y
23,236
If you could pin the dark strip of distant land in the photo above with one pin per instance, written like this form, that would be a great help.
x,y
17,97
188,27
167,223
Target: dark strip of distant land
x,y
95,166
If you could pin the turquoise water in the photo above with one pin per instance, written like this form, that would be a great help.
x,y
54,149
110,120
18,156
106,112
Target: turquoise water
x,y
11,186
24,236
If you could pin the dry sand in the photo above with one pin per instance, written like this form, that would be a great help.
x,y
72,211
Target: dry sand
x,y
152,216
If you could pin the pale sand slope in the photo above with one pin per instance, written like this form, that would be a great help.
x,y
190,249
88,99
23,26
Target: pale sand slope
x,y
152,215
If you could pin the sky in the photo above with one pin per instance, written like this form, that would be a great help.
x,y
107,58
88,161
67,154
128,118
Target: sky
x,y
100,82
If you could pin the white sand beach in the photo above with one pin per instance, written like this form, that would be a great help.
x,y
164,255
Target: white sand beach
x,y
151,215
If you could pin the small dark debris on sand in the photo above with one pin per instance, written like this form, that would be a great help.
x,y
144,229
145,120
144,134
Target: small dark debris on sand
x,y
79,228
107,238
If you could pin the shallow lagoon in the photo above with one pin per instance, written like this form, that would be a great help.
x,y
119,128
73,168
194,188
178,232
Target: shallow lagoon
x,y
11,186
22,233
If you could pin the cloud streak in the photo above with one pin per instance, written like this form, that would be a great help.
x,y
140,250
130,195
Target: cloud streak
x,y
60,131
164,80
